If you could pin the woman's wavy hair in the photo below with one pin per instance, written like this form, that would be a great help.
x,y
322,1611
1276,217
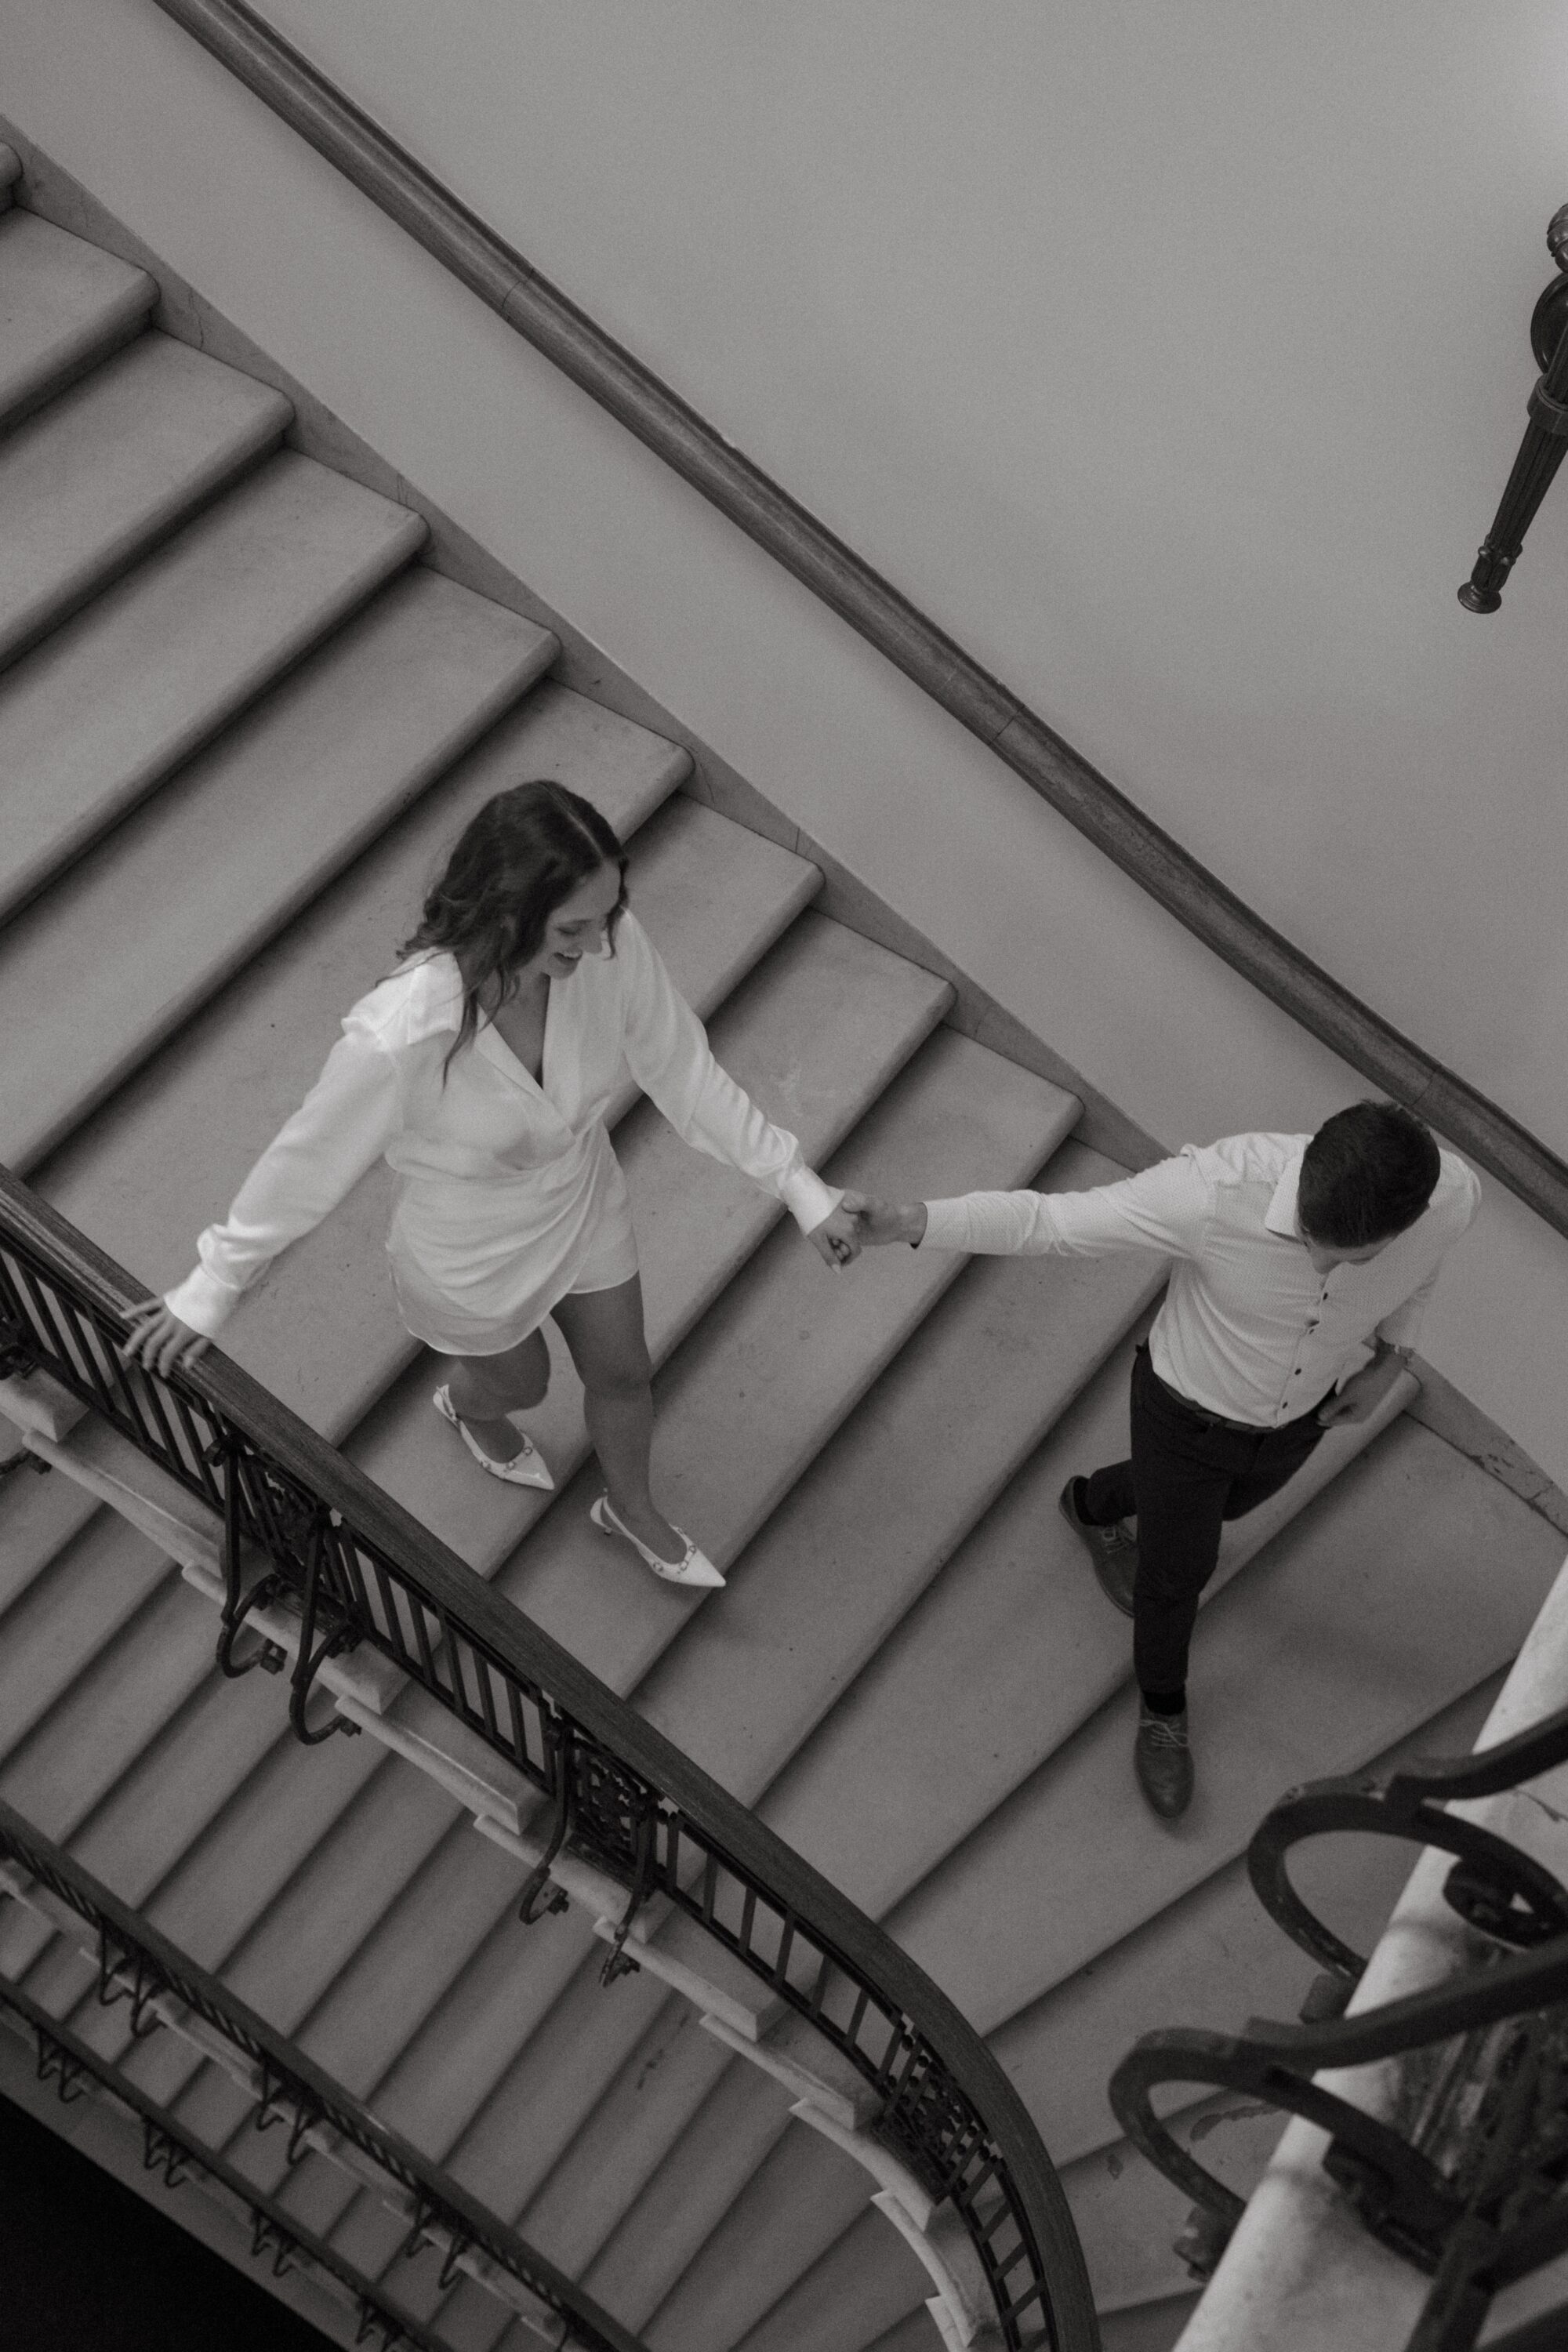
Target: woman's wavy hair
x,y
513,865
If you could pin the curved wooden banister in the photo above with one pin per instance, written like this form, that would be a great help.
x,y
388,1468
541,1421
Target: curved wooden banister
x,y
391,178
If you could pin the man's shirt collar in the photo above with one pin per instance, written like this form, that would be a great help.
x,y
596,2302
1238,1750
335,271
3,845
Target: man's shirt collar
x,y
1281,1216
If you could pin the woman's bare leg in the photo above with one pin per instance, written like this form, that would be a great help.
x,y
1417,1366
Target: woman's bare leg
x,y
484,1389
603,1329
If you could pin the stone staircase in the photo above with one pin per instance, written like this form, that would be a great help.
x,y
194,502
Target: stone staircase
x,y
239,719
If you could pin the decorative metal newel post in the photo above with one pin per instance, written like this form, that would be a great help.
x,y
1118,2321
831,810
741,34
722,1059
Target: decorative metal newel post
x,y
1545,436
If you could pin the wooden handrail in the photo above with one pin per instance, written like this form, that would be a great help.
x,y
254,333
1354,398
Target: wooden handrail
x,y
385,171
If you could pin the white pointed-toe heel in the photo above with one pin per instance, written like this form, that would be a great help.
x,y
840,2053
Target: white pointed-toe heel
x,y
526,1468
693,1567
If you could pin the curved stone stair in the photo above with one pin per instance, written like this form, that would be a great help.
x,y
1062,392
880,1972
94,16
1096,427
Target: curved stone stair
x,y
238,723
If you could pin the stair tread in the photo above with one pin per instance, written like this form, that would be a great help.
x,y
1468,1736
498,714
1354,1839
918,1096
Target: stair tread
x,y
66,1616
797,2203
151,1168
169,1795
1212,1959
738,2123
100,1722
1359,1624
330,754
38,1517
1015,1614
655,2094
113,463
62,302
819,1590
864,2283
93,716
739,1415
784,1038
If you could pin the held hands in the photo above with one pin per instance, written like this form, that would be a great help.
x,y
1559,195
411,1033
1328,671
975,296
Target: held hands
x,y
837,1240
879,1222
158,1340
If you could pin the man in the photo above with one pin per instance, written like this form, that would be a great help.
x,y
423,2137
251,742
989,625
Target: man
x,y
1302,1267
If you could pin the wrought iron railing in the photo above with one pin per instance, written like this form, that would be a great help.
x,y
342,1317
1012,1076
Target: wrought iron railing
x,y
1475,2193
138,1966
302,1525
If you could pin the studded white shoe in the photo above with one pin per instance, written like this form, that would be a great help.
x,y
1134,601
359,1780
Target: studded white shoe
x,y
693,1567
527,1468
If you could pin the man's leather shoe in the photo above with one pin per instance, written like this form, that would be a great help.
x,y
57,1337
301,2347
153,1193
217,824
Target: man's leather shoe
x,y
1112,1549
1163,1762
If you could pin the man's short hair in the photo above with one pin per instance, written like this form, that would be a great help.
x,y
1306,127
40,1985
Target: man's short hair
x,y
1366,1174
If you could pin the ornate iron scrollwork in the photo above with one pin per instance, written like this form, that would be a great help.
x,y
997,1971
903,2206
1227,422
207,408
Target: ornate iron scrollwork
x,y
57,2065
1476,2192
143,1989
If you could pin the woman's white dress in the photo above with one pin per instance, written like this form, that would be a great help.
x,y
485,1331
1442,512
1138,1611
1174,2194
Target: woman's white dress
x,y
510,1194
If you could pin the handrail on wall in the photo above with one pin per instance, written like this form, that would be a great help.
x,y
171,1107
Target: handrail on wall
x,y
385,171
301,1521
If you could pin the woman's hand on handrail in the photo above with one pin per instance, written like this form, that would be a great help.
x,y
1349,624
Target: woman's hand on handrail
x,y
159,1341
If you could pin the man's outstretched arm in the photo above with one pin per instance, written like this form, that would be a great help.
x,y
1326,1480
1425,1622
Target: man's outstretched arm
x,y
1164,1210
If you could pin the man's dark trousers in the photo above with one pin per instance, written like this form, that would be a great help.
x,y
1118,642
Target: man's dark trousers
x,y
1189,1473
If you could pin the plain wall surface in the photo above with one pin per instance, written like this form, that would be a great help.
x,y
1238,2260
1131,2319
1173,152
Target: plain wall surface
x,y
1171,356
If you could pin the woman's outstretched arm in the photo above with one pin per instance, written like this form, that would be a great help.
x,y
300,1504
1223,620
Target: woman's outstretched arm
x,y
340,1129
668,1055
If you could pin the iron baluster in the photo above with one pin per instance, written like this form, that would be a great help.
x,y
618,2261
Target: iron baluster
x,y
268,2236
140,1992
310,1660
57,2065
372,2319
161,2152
531,1909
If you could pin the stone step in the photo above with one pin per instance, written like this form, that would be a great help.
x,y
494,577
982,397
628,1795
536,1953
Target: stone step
x,y
818,1591
784,1037
653,2096
39,1514
240,840
639,2265
936,1631
150,1169
62,1620
94,717
63,306
10,173
94,479
796,2205
866,2281
1015,1647
1212,1959
740,1416
1360,1624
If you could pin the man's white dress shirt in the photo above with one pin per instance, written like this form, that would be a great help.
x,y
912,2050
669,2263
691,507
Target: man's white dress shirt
x,y
1248,1329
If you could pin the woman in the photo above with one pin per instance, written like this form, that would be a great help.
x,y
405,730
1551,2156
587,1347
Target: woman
x,y
481,1069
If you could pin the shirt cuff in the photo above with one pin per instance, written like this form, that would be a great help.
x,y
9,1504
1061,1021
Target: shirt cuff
x,y
203,1301
808,1199
947,1226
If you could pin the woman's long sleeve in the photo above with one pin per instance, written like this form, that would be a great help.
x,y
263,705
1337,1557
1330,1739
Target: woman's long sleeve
x,y
340,1129
668,1055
